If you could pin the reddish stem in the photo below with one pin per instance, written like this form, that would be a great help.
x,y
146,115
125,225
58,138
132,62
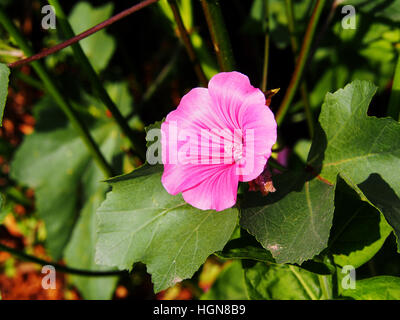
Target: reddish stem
x,y
84,34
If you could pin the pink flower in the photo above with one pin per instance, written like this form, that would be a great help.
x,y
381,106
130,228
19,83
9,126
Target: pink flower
x,y
216,138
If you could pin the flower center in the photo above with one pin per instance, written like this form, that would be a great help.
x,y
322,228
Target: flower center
x,y
234,149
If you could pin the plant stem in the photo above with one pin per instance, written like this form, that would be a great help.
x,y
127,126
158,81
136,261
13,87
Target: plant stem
x,y
188,43
24,256
61,101
295,49
84,34
266,49
301,61
394,102
219,34
95,81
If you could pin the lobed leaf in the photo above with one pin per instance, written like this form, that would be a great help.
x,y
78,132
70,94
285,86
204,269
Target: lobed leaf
x,y
362,149
294,222
140,221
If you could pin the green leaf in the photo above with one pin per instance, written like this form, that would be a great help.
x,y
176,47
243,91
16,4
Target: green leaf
x,y
363,150
294,222
100,46
246,247
376,288
140,221
359,230
53,160
4,74
229,284
80,254
283,282
80,251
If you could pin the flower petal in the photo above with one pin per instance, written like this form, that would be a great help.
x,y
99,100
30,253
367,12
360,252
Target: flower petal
x,y
196,111
218,192
177,178
231,92
260,121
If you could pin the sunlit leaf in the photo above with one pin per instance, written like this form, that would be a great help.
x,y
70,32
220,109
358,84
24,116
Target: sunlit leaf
x,y
284,282
362,149
140,221
376,288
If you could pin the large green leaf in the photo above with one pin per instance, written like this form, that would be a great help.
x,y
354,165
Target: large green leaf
x,y
100,46
53,161
229,284
284,282
140,221
68,189
80,251
294,222
4,74
376,288
363,150
359,230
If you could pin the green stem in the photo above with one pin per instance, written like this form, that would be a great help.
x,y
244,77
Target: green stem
x,y
61,101
26,257
394,102
303,283
266,49
95,81
295,49
184,35
301,62
219,34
